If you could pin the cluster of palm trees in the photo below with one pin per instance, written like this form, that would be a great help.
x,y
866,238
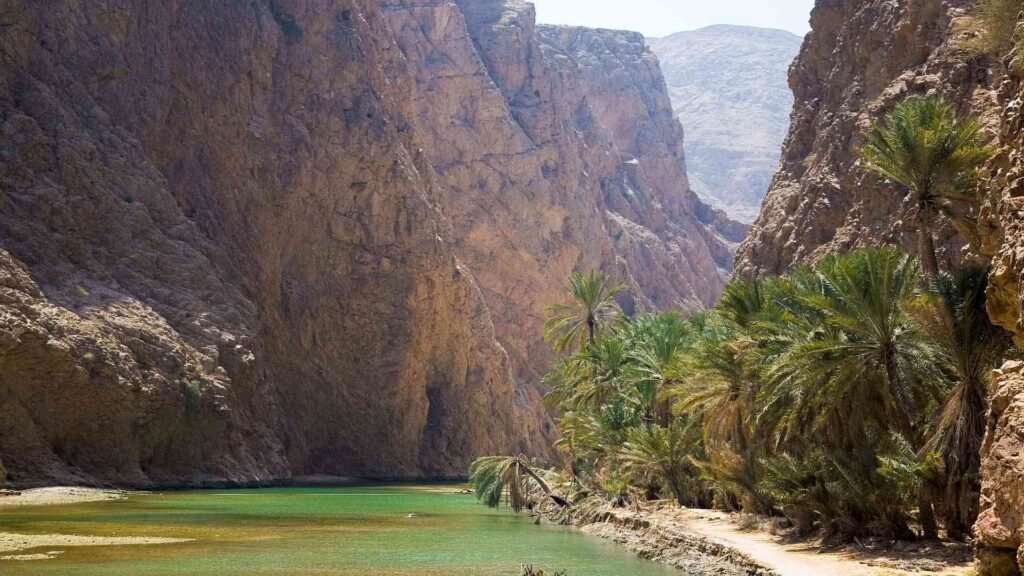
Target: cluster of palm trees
x,y
848,395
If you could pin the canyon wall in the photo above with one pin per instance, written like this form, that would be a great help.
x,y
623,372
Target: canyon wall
x,y
1000,527
860,58
246,241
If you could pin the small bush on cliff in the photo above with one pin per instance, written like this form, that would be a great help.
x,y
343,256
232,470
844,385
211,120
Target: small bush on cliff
x,y
994,25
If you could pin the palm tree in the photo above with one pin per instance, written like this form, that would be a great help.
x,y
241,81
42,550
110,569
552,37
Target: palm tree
x,y
956,318
868,370
661,454
924,146
494,476
657,343
593,309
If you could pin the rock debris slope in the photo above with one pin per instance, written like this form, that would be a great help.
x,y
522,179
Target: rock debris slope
x,y
729,89
244,241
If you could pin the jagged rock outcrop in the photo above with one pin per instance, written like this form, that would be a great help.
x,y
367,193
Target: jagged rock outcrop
x,y
243,241
860,58
729,90
1000,527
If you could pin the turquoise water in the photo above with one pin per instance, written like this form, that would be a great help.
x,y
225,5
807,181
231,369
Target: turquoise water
x,y
298,531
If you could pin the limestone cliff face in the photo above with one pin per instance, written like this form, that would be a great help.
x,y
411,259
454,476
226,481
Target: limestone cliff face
x,y
558,151
244,241
860,58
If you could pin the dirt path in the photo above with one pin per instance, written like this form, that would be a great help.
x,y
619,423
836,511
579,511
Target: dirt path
x,y
59,495
804,559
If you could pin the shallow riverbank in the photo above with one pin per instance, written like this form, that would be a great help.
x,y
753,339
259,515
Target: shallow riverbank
x,y
58,495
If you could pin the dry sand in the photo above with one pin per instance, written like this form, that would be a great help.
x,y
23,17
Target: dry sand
x,y
59,495
10,542
806,559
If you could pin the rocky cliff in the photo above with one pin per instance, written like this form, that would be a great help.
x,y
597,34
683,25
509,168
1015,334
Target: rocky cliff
x,y
244,241
1000,527
860,58
729,89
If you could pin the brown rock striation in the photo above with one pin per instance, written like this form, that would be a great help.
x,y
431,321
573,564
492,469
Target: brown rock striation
x,y
245,241
860,58
558,151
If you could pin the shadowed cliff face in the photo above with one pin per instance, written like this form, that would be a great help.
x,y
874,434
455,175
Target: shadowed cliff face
x,y
240,266
860,58
250,240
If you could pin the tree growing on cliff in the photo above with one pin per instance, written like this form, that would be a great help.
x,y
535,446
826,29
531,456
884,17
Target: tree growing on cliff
x,y
923,145
593,310
954,316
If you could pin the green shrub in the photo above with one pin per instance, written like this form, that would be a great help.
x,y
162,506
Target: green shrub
x,y
995,23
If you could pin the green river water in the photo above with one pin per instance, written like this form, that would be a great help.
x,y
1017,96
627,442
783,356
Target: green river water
x,y
296,531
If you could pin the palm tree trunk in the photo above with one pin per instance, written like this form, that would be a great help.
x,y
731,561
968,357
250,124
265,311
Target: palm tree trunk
x,y
926,514
591,329
926,245
543,485
926,510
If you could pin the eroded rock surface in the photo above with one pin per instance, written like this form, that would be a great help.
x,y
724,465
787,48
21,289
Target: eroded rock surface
x,y
729,89
1000,527
860,58
244,241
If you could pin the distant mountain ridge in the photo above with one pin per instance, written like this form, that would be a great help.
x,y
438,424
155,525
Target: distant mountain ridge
x,y
729,89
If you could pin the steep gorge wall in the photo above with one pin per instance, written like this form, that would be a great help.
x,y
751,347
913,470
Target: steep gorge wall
x,y
244,241
1000,527
860,58
239,268
558,151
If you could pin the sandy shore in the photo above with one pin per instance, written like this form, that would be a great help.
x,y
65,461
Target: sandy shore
x,y
679,536
17,542
60,495
11,543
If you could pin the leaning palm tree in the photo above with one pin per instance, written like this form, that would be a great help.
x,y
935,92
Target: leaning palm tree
x,y
955,317
923,145
868,370
493,477
593,309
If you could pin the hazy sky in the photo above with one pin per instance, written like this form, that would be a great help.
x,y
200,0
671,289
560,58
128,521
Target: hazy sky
x,y
662,17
